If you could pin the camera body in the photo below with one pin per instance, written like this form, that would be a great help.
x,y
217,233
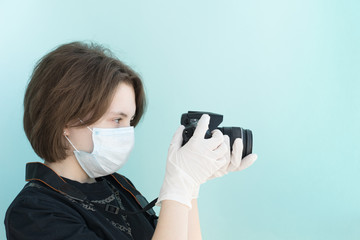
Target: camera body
x,y
191,118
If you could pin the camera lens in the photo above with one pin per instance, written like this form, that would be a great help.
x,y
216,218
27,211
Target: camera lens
x,y
249,142
237,132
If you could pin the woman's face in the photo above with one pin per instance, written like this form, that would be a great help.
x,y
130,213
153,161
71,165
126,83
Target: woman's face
x,y
119,114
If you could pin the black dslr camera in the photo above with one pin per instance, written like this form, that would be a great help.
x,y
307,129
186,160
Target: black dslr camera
x,y
190,120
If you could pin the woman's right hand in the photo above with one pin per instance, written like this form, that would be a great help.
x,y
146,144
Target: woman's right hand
x,y
190,165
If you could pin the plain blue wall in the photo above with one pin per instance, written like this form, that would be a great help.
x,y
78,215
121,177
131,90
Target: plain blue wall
x,y
288,70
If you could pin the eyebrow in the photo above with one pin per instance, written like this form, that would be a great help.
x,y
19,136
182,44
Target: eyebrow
x,y
121,114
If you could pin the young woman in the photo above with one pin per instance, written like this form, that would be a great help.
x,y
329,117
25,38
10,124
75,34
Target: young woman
x,y
80,109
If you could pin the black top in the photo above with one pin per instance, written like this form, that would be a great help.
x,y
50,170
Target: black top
x,y
64,209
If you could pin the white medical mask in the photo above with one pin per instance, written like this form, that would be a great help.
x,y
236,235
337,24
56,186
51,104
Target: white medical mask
x,y
112,147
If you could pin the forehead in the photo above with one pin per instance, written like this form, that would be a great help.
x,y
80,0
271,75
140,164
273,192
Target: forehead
x,y
123,101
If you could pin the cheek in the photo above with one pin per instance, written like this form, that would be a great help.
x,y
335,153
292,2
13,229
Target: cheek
x,y
82,139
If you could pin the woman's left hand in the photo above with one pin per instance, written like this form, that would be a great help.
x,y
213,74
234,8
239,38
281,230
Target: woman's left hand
x,y
235,162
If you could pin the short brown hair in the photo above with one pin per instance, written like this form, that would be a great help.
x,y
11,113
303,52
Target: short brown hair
x,y
76,80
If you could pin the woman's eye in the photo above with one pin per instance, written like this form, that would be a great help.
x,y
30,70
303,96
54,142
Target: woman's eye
x,y
117,120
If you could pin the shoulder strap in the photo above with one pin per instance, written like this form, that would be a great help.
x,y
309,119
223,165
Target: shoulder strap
x,y
36,171
121,180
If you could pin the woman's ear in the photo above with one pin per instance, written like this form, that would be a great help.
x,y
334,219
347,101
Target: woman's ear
x,y
66,131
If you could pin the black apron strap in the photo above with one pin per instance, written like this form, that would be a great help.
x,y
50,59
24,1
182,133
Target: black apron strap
x,y
116,178
36,171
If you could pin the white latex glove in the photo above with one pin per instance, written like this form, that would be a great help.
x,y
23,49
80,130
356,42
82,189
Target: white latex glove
x,y
191,165
235,162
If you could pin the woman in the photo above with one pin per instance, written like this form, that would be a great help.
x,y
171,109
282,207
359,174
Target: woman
x,y
80,109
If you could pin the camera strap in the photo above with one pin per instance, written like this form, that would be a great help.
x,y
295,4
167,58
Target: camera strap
x,y
36,171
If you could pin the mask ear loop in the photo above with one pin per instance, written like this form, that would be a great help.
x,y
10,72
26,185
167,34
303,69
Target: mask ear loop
x,y
70,142
69,139
86,126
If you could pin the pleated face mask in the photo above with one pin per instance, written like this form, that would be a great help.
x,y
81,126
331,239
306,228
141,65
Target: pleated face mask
x,y
112,147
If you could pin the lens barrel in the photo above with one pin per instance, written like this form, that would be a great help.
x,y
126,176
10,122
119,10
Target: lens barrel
x,y
238,132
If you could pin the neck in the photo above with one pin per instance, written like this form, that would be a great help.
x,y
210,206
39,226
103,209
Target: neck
x,y
71,169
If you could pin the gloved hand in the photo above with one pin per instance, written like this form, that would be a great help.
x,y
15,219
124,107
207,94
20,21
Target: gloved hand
x,y
235,162
191,165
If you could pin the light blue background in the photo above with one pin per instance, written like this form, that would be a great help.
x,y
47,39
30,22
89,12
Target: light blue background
x,y
288,70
